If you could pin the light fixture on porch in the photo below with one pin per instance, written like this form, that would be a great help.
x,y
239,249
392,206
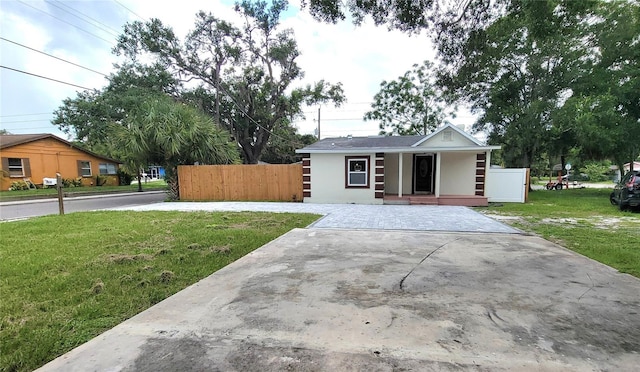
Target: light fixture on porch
x,y
357,167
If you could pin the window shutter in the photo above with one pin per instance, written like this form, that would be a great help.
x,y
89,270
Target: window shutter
x,y
5,164
79,168
26,167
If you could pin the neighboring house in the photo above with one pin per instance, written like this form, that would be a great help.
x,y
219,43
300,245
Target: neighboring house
x,y
38,156
447,167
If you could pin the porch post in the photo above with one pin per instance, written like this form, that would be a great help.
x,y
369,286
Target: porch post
x,y
437,181
400,174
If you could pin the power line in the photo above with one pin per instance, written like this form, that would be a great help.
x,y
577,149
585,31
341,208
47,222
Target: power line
x,y
39,113
44,77
84,20
130,11
22,121
52,56
63,21
117,32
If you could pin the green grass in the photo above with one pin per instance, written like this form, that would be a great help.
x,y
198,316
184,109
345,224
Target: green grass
x,y
52,192
582,220
66,279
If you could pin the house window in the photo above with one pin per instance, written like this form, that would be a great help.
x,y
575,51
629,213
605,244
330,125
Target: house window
x,y
16,169
357,171
447,136
84,168
107,168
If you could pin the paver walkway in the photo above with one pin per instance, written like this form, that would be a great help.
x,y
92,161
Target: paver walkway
x,y
358,216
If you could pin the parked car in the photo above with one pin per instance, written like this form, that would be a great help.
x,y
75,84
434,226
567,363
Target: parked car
x,y
626,193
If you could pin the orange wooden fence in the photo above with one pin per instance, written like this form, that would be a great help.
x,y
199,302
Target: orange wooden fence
x,y
272,182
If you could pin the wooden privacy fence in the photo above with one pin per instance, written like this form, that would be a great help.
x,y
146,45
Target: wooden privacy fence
x,y
281,182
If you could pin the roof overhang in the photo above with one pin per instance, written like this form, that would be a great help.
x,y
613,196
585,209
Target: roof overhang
x,y
402,150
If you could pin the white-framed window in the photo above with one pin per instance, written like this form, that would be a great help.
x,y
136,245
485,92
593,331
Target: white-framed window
x,y
16,168
84,168
107,168
447,136
357,171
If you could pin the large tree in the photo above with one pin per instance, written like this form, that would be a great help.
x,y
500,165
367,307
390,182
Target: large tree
x,y
517,72
247,74
604,109
137,119
410,105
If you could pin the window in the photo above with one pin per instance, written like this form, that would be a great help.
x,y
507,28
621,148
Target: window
x,y
16,167
357,174
84,168
107,168
447,136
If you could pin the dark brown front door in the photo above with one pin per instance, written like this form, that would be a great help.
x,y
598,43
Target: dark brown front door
x,y
423,174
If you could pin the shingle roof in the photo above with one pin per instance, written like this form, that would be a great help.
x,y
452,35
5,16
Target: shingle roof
x,y
364,142
10,140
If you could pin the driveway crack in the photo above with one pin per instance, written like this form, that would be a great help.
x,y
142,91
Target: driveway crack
x,y
421,261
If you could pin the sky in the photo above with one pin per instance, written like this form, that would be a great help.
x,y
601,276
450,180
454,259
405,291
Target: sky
x,y
84,32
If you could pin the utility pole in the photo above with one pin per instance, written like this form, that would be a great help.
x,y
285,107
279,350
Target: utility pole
x,y
318,123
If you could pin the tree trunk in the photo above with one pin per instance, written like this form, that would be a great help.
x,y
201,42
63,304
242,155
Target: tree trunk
x,y
171,176
139,181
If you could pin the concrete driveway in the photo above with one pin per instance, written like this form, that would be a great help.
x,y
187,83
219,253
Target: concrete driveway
x,y
324,299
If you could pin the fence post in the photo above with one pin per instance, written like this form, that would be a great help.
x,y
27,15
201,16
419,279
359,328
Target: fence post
x,y
59,188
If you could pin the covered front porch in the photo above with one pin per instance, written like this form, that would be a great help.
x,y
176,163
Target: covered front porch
x,y
433,178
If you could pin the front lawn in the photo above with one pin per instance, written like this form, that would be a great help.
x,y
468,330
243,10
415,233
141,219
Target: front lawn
x,y
582,220
66,279
52,192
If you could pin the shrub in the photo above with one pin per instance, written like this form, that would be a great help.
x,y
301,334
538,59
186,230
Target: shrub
x,y
19,185
124,178
596,171
72,182
100,180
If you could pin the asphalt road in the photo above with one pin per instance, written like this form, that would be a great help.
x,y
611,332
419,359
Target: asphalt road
x,y
43,207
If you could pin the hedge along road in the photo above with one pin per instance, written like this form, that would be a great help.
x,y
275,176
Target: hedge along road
x,y
42,207
326,298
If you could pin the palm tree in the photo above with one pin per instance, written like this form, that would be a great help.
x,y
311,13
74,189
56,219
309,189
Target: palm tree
x,y
168,133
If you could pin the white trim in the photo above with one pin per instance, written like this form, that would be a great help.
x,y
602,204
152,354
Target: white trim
x,y
400,175
437,180
364,171
401,150
442,128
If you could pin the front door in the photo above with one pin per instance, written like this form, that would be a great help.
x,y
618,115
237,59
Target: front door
x,y
423,174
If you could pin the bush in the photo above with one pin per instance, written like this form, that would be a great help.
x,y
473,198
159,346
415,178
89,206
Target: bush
x,y
100,180
124,178
596,171
19,185
72,182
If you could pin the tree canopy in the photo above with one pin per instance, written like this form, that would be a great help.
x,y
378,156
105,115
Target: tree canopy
x,y
546,77
412,104
246,74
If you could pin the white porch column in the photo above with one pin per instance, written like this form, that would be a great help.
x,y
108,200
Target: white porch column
x,y
438,162
400,155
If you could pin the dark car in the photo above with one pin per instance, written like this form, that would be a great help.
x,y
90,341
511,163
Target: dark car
x,y
627,192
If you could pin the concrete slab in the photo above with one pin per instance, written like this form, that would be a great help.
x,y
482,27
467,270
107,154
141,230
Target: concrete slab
x,y
324,299
358,216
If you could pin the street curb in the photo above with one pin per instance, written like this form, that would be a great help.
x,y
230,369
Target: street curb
x,y
71,197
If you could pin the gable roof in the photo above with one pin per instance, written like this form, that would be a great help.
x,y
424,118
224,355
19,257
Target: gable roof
x,y
388,143
11,140
448,126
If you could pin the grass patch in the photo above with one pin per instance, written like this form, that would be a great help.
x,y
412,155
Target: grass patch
x,y
66,279
582,220
6,195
